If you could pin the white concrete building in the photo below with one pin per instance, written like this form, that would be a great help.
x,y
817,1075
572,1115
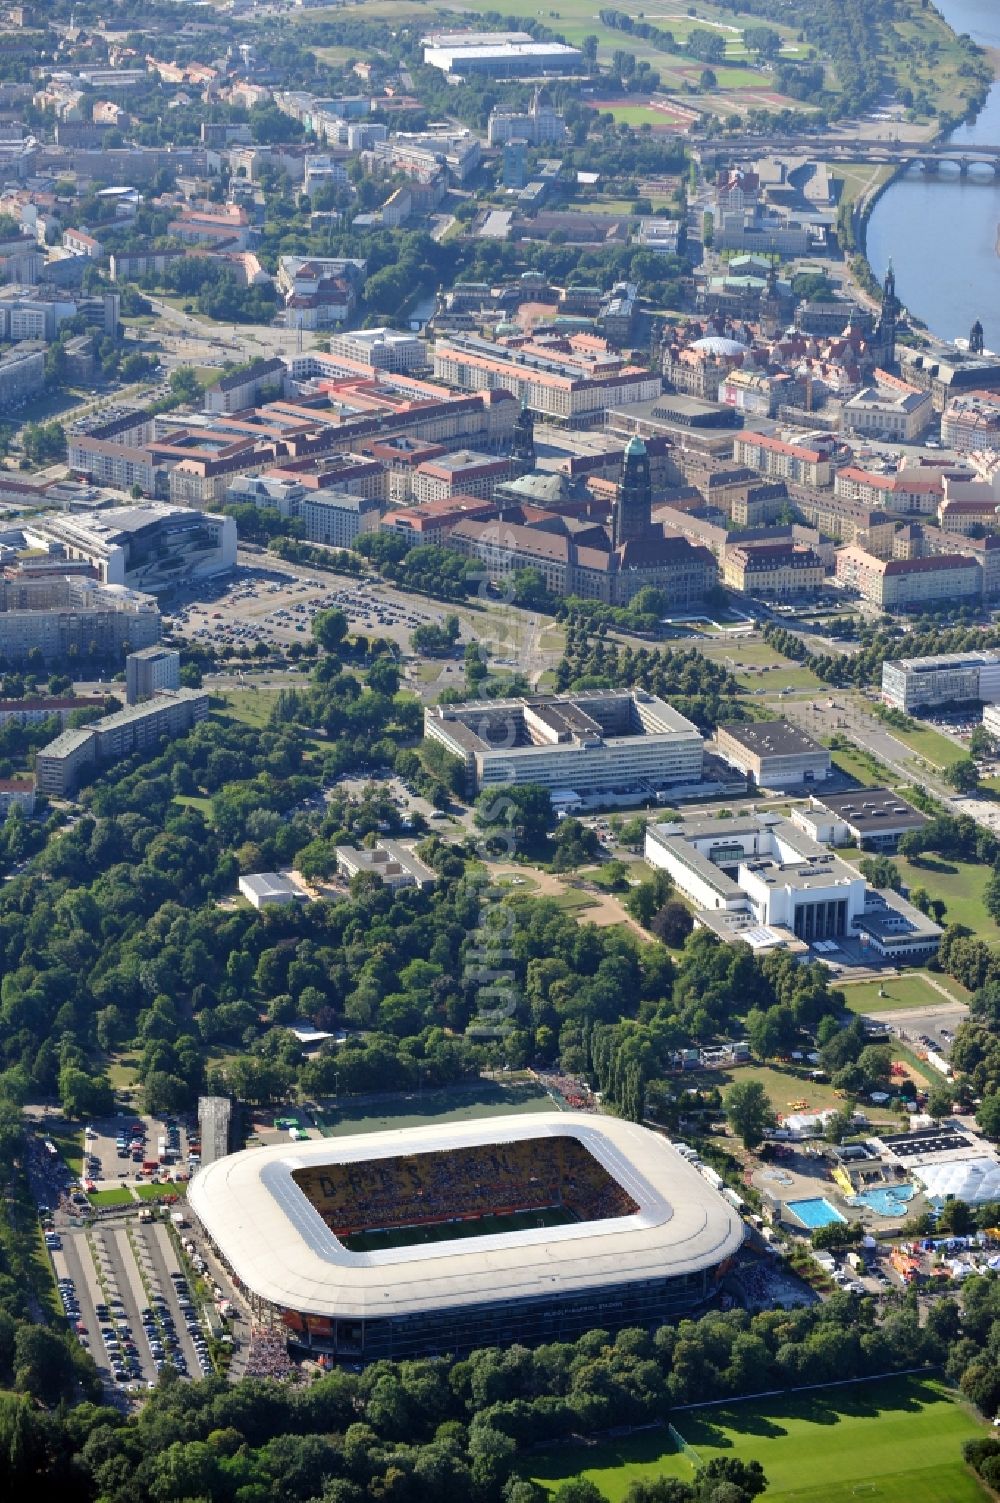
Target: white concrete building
x,y
271,889
763,868
396,865
947,678
151,547
596,741
382,349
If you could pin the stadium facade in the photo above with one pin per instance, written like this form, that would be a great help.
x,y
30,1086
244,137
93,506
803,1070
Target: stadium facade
x,y
613,1227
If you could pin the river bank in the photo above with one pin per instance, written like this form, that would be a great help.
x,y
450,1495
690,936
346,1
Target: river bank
x,y
940,231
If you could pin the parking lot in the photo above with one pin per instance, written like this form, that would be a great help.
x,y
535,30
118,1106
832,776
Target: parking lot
x,y
137,1149
129,1301
263,606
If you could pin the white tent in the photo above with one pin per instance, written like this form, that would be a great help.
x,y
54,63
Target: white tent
x,y
973,1180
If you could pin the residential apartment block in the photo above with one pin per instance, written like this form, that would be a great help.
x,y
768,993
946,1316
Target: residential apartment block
x,y
783,461
59,765
907,584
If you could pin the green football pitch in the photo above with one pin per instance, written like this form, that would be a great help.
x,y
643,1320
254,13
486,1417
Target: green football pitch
x,y
454,1231
890,1441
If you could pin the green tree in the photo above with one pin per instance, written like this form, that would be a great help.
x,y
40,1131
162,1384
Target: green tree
x,y
329,628
963,776
748,1112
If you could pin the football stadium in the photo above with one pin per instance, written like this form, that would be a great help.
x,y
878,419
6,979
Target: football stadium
x,y
456,1235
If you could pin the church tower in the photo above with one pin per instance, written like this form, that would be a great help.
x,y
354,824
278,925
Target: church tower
x,y
770,305
522,451
976,340
886,331
632,515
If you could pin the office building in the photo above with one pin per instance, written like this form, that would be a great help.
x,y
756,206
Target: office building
x,y
245,388
215,1124
950,678
891,409
759,880
539,126
773,753
872,819
772,456
151,670
462,473
569,388
142,727
500,55
150,547
382,349
773,571
395,865
595,742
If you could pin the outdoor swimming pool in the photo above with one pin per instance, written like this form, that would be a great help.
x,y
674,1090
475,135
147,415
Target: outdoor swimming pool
x,y
814,1212
887,1200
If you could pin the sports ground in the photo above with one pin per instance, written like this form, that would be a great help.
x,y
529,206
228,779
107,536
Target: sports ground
x,y
890,1441
454,1231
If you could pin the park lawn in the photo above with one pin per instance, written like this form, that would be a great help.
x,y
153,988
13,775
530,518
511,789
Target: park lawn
x,y
894,1441
573,901
119,1197
901,992
961,884
252,706
781,678
195,801
860,766
158,1192
786,1084
857,178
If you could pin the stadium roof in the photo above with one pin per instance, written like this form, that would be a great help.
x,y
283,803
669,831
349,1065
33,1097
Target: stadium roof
x,y
277,1243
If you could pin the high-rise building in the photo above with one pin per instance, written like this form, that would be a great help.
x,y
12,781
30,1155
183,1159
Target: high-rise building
x,y
149,671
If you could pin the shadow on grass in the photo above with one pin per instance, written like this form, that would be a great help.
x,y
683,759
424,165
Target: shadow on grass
x,y
934,864
770,1418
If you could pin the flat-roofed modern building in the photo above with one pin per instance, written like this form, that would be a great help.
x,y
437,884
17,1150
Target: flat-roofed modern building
x,y
150,547
947,678
58,766
150,670
396,865
774,753
872,818
271,889
773,883
599,741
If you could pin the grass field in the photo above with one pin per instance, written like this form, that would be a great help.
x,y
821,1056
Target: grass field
x,y
901,992
252,706
961,884
895,1441
935,748
119,1197
69,1142
864,769
417,1108
456,1231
